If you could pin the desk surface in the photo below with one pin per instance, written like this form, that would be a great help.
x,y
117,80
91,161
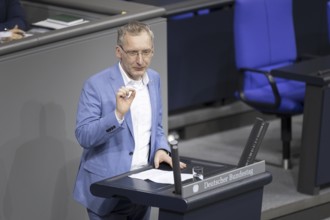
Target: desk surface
x,y
314,71
110,14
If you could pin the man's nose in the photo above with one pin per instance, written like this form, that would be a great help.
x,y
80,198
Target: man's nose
x,y
139,58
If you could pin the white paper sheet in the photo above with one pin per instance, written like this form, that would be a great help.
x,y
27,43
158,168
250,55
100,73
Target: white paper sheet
x,y
56,26
160,176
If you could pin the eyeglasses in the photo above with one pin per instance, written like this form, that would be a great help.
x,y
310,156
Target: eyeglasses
x,y
134,53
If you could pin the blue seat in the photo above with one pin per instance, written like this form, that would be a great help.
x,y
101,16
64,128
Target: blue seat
x,y
264,40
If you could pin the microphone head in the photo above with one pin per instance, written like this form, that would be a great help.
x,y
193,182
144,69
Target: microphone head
x,y
172,139
173,142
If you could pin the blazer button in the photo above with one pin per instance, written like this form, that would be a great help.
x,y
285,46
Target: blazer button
x,y
130,153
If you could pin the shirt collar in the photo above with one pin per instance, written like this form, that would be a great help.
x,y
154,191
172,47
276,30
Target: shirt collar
x,y
131,82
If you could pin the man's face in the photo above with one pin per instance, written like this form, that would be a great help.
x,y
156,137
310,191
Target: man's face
x,y
135,54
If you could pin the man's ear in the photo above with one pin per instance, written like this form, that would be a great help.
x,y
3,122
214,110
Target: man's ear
x,y
118,52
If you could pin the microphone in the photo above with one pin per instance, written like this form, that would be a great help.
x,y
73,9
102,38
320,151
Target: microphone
x,y
176,166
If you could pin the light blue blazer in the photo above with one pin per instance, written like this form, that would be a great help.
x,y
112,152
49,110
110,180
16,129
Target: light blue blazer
x,y
107,145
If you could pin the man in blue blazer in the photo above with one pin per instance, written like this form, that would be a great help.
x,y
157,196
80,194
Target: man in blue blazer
x,y
12,15
119,123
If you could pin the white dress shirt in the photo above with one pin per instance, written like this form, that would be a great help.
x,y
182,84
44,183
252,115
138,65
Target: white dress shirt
x,y
141,119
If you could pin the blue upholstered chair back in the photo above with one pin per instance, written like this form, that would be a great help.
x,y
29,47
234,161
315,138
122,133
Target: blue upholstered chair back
x,y
264,39
264,36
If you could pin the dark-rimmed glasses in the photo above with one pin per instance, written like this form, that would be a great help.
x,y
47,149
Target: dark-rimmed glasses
x,y
134,53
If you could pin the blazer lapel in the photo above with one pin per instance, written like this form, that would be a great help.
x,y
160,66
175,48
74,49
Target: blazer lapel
x,y
153,103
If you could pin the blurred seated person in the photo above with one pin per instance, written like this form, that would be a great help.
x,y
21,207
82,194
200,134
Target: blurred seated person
x,y
12,20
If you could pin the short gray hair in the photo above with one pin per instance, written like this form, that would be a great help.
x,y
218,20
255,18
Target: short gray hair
x,y
133,28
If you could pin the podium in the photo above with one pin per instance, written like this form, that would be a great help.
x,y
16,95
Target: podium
x,y
219,199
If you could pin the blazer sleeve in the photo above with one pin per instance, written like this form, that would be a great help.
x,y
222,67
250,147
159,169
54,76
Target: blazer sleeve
x,y
93,127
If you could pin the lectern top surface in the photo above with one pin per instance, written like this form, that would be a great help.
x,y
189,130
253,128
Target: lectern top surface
x,y
125,182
